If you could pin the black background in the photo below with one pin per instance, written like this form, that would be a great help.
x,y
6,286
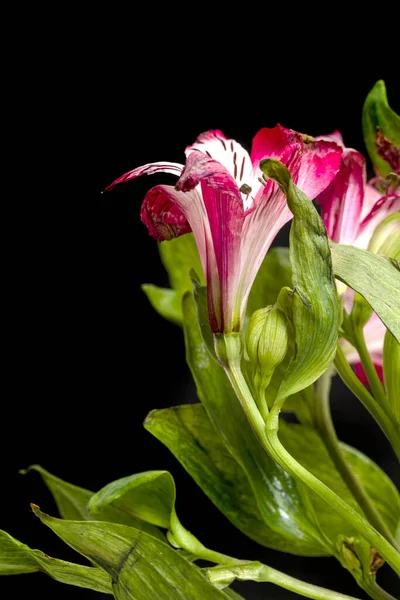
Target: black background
x,y
87,358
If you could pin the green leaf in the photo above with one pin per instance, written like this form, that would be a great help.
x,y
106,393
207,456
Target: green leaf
x,y
165,301
141,567
378,114
72,503
149,496
315,307
17,558
275,492
274,273
391,372
71,500
306,446
179,256
374,277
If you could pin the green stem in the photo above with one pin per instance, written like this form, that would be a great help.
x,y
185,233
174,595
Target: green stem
x,y
351,380
370,371
270,441
264,574
326,428
373,590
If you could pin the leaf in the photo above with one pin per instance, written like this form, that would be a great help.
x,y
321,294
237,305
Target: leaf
x,y
377,114
72,503
179,256
275,273
141,567
391,372
275,492
314,303
17,558
149,496
306,446
71,500
374,277
165,301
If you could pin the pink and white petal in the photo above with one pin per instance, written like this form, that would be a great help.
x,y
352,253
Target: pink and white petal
x,y
227,152
384,207
371,197
260,229
335,136
320,161
148,169
225,214
341,202
168,213
161,214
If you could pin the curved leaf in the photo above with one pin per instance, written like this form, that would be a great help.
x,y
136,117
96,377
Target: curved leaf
x,y
141,567
72,503
149,496
165,301
17,558
376,278
314,309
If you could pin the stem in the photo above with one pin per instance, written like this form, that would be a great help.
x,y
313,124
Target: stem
x,y
270,441
326,428
351,380
373,590
370,371
264,574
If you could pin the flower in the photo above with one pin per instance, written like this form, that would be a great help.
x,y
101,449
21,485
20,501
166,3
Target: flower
x,y
352,209
233,212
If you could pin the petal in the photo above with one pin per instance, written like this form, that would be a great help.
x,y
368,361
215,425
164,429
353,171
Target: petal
x,y
224,206
275,142
148,169
371,197
341,202
320,161
385,206
161,214
359,371
313,164
227,152
335,136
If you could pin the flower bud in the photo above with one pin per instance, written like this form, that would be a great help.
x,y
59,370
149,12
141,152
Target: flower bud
x,y
386,237
267,339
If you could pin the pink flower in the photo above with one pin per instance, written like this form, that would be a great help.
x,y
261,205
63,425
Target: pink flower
x,y
351,208
232,211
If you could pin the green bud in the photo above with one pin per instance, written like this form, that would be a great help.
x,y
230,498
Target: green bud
x,y
386,237
267,340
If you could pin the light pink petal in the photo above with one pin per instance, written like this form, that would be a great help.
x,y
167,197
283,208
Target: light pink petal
x,y
224,207
371,197
260,228
161,214
335,136
341,202
385,206
149,169
320,161
227,152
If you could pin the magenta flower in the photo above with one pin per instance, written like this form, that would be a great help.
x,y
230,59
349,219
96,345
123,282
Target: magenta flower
x,y
233,212
351,208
